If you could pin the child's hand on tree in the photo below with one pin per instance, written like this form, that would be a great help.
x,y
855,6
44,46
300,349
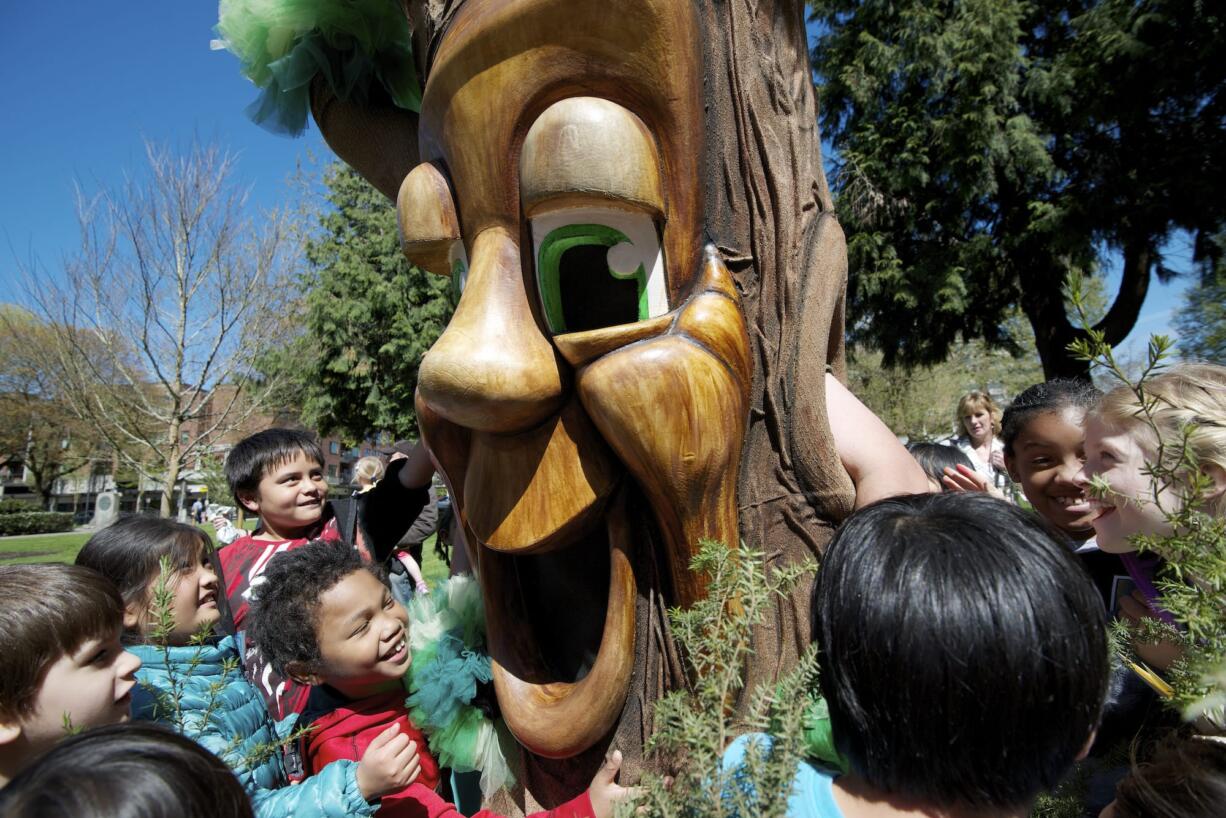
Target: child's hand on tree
x,y
605,792
389,764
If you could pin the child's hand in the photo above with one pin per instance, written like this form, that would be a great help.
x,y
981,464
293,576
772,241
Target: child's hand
x,y
605,792
389,764
964,479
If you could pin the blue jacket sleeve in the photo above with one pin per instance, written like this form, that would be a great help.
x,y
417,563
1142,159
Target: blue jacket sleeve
x,y
331,793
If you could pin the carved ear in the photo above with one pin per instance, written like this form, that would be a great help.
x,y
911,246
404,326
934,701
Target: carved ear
x,y
377,139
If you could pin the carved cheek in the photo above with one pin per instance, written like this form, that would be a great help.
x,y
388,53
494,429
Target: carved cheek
x,y
675,414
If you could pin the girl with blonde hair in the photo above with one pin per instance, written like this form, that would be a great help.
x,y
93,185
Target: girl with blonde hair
x,y
1178,425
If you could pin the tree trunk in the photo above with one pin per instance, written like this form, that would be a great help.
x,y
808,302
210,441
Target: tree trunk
x,y
1043,303
173,464
770,212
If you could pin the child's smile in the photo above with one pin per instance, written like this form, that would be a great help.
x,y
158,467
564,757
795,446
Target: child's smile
x,y
1130,508
363,637
1047,456
290,497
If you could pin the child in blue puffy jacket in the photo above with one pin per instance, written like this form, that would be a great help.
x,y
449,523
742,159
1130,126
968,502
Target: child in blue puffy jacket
x,y
197,686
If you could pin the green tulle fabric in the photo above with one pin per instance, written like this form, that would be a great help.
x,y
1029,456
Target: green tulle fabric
x,y
355,45
819,738
447,639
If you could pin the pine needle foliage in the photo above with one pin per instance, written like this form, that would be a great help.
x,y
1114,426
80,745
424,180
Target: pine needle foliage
x,y
693,726
168,707
370,316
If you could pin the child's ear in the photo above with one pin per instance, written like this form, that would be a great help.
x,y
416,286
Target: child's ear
x,y
10,731
1217,474
132,616
250,500
301,673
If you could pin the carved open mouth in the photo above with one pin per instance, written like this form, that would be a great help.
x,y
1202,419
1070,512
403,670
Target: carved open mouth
x,y
560,627
549,535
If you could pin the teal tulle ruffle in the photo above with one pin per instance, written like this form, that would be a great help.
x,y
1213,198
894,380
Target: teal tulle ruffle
x,y
447,639
284,44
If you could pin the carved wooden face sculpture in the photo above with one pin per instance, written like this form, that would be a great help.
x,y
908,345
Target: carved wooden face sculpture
x,y
593,382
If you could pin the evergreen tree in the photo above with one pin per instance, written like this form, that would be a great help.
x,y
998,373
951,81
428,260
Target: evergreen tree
x,y
370,317
1202,319
988,148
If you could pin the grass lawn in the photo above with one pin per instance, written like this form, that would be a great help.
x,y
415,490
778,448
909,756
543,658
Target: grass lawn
x,y
42,548
64,548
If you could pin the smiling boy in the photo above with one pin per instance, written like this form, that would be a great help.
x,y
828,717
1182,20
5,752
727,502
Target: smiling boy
x,y
62,667
278,474
329,621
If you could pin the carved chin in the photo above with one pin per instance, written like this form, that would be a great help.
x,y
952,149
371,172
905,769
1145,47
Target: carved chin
x,y
545,511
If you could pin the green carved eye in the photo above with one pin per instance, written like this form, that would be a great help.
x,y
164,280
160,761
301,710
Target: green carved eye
x,y
579,290
459,275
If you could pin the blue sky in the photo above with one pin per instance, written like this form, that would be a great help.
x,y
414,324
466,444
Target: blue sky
x,y
84,84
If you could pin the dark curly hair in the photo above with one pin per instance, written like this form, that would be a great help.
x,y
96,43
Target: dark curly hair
x,y
284,612
1055,395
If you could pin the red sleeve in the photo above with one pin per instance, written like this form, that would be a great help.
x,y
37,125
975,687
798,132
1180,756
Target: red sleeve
x,y
434,806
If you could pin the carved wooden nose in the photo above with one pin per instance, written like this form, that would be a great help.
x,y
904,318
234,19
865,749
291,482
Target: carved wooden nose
x,y
492,369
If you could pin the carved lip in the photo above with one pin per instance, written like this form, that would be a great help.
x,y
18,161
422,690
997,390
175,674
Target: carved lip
x,y
562,645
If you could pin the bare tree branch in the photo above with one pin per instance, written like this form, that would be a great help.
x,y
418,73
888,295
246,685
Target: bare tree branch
x,y
174,293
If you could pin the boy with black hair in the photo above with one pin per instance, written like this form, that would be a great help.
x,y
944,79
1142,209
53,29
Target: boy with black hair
x,y
963,657
62,667
329,620
278,474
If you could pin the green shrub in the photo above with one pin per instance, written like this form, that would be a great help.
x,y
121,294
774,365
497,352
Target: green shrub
x,y
18,507
34,522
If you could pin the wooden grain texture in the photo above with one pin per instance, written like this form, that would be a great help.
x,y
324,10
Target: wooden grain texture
x,y
378,140
768,208
679,430
562,719
500,65
532,492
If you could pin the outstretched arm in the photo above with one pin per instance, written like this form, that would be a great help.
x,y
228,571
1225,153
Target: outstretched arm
x,y
878,464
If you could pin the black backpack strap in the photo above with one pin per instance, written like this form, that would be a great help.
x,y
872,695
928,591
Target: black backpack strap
x,y
345,509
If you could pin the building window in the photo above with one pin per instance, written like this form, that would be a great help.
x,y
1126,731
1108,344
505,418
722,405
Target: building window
x,y
332,469
333,449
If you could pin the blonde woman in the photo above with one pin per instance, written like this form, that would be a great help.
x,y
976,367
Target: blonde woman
x,y
978,421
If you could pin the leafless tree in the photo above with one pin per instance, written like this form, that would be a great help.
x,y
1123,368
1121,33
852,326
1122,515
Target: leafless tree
x,y
161,316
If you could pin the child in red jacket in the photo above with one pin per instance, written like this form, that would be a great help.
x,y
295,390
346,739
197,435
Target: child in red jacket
x,y
325,618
